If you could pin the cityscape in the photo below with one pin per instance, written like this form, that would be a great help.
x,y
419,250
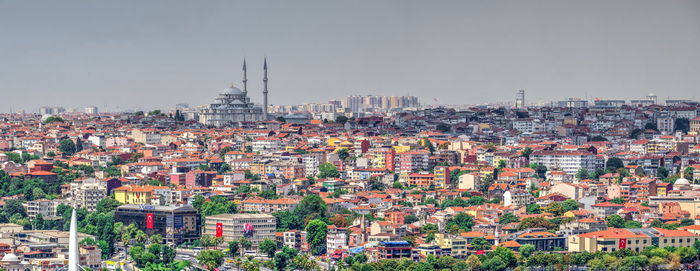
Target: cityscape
x,y
262,173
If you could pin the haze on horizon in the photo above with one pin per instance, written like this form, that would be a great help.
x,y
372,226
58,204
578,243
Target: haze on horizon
x,y
154,54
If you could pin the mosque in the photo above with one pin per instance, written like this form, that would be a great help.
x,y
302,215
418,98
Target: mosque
x,y
233,105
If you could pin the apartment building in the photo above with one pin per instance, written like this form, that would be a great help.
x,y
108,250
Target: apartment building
x,y
411,161
634,239
336,238
86,193
45,207
136,194
568,161
269,205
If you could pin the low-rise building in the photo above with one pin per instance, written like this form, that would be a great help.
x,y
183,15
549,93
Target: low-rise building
x,y
633,239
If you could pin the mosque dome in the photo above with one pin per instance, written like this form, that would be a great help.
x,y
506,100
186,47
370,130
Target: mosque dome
x,y
232,91
682,181
10,257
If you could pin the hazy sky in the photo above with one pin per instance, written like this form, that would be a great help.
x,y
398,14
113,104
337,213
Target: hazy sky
x,y
154,54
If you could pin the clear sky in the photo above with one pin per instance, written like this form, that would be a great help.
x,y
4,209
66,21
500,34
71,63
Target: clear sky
x,y
157,53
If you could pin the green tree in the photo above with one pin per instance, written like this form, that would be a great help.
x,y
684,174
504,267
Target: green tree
x,y
618,201
156,239
283,258
533,209
508,218
421,266
343,154
224,168
303,262
651,126
615,221
526,152
475,200
214,206
67,146
682,124
107,205
443,128
245,243
480,243
268,194
494,264
555,208
614,163
311,207
287,220
540,169
268,247
597,264
212,259
327,170
316,236
167,254
462,220
506,255
582,174
536,222
687,254
632,224
598,139
569,205
410,219
52,119
341,119
473,262
233,248
662,172
636,133
526,250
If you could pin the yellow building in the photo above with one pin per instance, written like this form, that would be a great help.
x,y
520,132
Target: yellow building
x,y
457,245
129,194
400,149
689,204
333,141
634,239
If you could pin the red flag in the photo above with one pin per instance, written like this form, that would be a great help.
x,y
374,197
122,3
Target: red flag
x,y
479,252
219,230
623,243
149,221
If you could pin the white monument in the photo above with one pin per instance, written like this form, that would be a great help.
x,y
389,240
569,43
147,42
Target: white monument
x,y
73,249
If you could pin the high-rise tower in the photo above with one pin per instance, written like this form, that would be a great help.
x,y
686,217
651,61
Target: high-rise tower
x,y
265,90
520,99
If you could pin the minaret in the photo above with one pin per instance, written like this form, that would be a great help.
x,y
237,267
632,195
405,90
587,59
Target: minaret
x,y
265,90
73,243
245,77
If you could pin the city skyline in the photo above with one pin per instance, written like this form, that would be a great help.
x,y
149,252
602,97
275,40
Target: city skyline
x,y
102,54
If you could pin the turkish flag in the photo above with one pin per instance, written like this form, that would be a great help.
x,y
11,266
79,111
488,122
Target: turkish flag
x,y
480,252
149,221
219,230
623,243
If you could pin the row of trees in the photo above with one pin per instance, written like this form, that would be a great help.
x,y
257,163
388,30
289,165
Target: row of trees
x,y
501,258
